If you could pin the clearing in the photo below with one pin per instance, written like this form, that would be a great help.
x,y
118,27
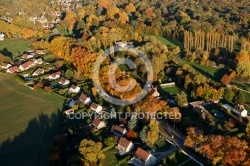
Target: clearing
x,y
28,121
15,46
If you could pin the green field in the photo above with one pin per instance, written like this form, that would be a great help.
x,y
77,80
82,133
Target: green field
x,y
172,90
162,40
28,121
15,46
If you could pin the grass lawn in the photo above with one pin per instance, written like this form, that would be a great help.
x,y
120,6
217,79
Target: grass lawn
x,y
112,158
173,90
28,121
161,39
161,145
15,46
180,158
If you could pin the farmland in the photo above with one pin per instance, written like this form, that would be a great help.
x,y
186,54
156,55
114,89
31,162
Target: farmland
x,y
28,121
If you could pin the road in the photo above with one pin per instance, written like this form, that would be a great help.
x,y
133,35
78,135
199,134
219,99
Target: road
x,y
179,139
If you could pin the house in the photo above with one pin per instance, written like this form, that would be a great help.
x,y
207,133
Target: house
x,y
143,158
38,61
2,36
200,112
40,52
118,130
26,66
55,75
95,107
124,146
98,124
38,72
85,99
154,92
27,55
124,44
69,111
168,84
63,81
240,110
12,70
74,89
6,65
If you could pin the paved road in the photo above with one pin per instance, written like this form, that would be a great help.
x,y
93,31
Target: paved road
x,y
179,141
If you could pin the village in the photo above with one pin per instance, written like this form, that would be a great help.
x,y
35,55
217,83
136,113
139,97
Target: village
x,y
40,70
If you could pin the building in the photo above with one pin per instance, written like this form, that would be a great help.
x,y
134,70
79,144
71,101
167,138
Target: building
x,y
95,107
168,84
38,61
40,52
124,146
143,158
118,130
74,89
69,111
63,81
154,92
27,55
6,65
12,70
38,72
83,98
2,36
98,124
26,66
55,75
240,110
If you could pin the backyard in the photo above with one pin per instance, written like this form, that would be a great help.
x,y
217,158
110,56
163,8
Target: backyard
x,y
28,121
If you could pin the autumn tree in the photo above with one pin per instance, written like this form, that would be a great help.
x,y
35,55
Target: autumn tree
x,y
181,99
153,132
225,79
91,151
199,92
194,137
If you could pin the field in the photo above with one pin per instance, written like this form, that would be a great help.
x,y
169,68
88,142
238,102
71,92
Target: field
x,y
15,46
163,40
28,121
174,90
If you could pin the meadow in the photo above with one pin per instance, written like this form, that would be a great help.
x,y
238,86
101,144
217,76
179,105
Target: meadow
x,y
15,46
28,121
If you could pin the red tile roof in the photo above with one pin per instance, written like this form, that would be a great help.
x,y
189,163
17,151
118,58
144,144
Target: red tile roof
x,y
94,105
83,97
13,69
142,154
96,122
55,74
27,64
117,129
123,142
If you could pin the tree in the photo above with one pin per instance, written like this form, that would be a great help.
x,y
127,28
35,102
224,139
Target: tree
x,y
224,150
91,151
181,99
243,69
229,94
199,92
153,132
143,134
248,130
68,74
132,122
109,141
239,97
130,8
225,79
194,137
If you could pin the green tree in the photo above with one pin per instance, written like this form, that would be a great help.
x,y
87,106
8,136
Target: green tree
x,y
181,99
143,134
132,122
229,94
69,74
239,97
153,132
109,141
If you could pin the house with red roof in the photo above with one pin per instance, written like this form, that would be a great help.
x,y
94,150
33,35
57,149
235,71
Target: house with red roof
x,y
26,66
143,158
5,65
124,146
63,81
98,124
74,89
55,75
85,99
12,70
95,107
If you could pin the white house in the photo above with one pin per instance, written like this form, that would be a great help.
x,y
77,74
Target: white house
x,y
27,56
12,70
38,72
26,66
38,61
69,111
74,89
124,146
40,52
83,98
63,81
6,65
2,36
142,157
240,110
55,75
98,124
95,107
